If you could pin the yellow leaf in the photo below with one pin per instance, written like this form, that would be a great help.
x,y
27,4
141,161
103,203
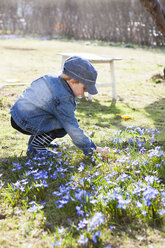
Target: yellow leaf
x,y
126,117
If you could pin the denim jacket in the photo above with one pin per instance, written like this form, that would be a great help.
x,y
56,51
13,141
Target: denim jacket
x,y
49,104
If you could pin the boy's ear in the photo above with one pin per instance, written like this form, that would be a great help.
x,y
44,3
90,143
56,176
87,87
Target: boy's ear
x,y
73,81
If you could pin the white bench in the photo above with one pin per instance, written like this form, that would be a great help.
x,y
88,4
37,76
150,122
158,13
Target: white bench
x,y
93,58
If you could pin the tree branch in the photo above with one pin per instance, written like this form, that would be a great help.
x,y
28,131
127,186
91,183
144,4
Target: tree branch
x,y
157,13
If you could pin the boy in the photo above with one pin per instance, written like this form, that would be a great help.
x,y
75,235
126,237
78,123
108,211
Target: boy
x,y
45,110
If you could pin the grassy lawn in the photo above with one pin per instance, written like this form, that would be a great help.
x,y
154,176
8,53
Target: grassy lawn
x,y
70,200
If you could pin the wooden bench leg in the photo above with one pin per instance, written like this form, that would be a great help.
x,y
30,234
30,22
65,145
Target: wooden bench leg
x,y
114,95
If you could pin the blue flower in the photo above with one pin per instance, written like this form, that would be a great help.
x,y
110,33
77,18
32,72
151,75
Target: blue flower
x,y
139,204
79,211
143,212
22,188
18,211
2,184
57,243
140,143
162,212
151,179
117,151
82,196
82,224
96,220
160,154
43,184
96,236
137,172
41,175
123,160
62,189
61,230
17,184
83,240
155,152
62,203
123,203
135,162
148,194
24,181
130,141
31,171
35,208
122,177
142,150
139,130
54,175
81,168
163,201
145,162
16,166
138,189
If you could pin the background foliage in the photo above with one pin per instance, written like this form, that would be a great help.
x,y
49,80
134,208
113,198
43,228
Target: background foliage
x,y
107,20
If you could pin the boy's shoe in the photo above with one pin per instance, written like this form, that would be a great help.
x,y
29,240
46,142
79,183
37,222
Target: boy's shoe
x,y
38,144
53,145
31,151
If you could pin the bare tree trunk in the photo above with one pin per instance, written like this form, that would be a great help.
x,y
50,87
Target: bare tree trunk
x,y
157,13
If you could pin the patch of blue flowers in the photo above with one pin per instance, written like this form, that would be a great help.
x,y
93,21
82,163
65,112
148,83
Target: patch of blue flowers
x,y
131,185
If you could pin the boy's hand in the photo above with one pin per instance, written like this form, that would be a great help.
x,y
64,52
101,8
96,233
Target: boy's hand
x,y
103,151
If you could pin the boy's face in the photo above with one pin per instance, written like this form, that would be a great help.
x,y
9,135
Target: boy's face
x,y
77,87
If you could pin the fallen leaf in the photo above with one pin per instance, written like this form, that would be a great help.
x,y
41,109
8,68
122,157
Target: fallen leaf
x,y
126,117
92,134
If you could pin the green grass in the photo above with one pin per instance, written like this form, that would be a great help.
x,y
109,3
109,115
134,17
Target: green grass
x,y
134,160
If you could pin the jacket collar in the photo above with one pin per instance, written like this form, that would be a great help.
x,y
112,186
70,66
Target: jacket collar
x,y
66,86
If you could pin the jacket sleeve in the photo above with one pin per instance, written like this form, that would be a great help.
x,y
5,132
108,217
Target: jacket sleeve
x,y
64,112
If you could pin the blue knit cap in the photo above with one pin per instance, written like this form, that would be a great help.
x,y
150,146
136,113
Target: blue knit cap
x,y
83,71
